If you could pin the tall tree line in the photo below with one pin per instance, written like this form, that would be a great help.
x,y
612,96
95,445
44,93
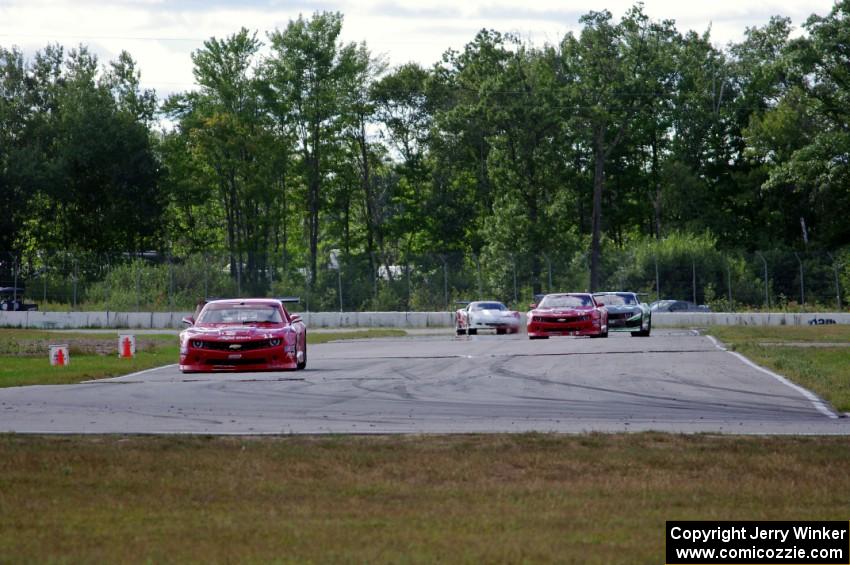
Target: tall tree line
x,y
623,131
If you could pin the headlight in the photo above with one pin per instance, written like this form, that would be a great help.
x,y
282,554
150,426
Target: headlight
x,y
274,342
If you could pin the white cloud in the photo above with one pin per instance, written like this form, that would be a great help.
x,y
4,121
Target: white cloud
x,y
161,34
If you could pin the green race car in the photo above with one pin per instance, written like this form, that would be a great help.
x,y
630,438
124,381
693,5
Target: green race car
x,y
626,313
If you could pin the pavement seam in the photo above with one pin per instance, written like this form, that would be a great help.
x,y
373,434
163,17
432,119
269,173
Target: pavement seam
x,y
136,374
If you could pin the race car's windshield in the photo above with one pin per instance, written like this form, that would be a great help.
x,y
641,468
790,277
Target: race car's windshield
x,y
619,299
488,306
565,301
240,314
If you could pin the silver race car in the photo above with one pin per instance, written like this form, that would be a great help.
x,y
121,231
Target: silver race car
x,y
486,315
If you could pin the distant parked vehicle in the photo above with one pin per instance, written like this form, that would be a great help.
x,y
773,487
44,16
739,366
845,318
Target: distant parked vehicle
x,y
12,299
677,306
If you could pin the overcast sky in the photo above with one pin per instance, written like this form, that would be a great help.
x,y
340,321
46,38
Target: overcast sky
x,y
161,34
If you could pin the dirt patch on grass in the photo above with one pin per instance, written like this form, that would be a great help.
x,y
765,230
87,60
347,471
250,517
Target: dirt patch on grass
x,y
37,346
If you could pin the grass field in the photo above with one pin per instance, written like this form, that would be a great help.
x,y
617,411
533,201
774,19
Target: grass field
x,y
812,356
24,360
408,499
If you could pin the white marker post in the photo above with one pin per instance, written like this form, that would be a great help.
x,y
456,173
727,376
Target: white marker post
x,y
126,346
60,356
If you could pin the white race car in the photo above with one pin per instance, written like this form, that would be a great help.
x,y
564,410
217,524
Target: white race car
x,y
486,315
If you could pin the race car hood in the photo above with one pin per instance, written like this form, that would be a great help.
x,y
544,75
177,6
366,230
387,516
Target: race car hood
x,y
492,313
232,333
561,311
623,309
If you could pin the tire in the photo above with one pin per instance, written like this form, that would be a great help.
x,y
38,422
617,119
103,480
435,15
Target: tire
x,y
473,332
643,333
459,331
303,364
538,337
501,331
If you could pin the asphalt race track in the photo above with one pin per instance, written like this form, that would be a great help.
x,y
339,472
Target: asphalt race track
x,y
674,381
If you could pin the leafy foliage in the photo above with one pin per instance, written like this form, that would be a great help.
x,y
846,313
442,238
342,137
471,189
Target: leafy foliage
x,y
317,168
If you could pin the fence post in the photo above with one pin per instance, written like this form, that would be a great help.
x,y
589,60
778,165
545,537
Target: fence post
x,y
106,287
766,292
138,284
657,279
339,277
44,280
445,279
407,273
835,268
549,268
239,276
729,282
170,283
75,279
478,265
802,284
694,277
204,269
15,287
513,262
375,269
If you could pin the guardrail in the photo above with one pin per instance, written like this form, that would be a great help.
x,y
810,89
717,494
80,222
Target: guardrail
x,y
171,320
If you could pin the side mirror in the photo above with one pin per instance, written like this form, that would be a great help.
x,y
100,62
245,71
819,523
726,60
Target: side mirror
x,y
295,318
188,320
533,305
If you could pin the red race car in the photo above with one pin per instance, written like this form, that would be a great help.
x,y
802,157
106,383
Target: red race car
x,y
574,313
256,334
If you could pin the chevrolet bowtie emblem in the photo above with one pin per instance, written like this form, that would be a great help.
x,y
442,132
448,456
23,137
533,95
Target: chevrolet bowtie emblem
x,y
235,346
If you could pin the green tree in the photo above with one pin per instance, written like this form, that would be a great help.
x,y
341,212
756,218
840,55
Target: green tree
x,y
308,68
608,78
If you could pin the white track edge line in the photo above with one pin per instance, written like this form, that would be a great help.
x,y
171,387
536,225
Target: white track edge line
x,y
136,374
816,401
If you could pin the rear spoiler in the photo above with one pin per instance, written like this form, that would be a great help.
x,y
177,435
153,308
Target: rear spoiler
x,y
290,299
464,302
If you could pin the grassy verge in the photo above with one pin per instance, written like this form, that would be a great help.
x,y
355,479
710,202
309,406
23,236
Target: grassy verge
x,y
471,499
24,360
801,353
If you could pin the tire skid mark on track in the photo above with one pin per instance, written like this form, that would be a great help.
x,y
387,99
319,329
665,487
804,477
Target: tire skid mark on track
x,y
676,403
513,355
675,379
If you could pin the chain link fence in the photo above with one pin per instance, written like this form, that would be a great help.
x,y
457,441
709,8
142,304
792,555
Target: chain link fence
x,y
769,280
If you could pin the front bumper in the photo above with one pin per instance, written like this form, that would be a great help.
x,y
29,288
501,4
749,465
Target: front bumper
x,y
624,322
208,361
512,324
543,328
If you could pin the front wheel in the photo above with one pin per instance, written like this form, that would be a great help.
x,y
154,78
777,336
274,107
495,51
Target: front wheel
x,y
303,364
643,333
